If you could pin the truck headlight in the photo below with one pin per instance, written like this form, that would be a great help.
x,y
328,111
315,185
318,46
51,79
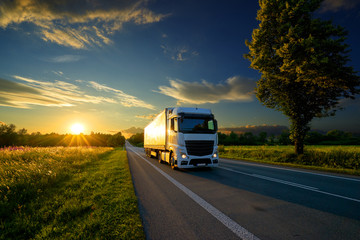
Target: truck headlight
x,y
215,155
183,156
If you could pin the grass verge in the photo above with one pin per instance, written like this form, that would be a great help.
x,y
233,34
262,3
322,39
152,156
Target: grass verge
x,y
73,194
338,159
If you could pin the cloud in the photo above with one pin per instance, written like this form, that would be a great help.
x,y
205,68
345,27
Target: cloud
x,y
348,102
19,95
51,94
234,89
125,99
58,73
179,54
65,58
149,117
59,94
336,5
76,24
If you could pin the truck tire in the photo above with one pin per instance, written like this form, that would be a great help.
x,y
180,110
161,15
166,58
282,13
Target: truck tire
x,y
159,157
148,152
172,163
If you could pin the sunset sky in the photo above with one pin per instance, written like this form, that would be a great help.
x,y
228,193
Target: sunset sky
x,y
111,65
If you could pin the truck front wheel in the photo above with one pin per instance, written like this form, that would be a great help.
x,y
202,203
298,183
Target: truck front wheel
x,y
172,162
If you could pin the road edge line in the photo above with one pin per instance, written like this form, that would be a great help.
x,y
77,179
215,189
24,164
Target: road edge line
x,y
224,219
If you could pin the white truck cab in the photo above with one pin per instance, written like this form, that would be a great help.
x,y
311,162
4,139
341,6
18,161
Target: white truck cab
x,y
183,137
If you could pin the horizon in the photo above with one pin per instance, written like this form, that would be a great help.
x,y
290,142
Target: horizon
x,y
111,65
127,133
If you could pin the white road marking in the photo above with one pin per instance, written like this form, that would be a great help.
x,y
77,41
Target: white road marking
x,y
287,169
291,184
228,222
285,182
271,179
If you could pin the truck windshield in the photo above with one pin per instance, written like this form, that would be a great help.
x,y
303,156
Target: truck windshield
x,y
197,125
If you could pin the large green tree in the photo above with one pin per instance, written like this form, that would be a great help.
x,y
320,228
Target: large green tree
x,y
303,63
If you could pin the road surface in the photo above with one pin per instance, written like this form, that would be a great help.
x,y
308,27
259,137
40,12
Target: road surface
x,y
240,200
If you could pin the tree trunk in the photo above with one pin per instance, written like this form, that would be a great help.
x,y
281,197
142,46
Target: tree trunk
x,y
299,146
298,132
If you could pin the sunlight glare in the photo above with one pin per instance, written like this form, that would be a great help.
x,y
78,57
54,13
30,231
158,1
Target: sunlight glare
x,y
77,128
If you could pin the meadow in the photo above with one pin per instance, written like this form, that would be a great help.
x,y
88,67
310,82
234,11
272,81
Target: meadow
x,y
342,159
67,193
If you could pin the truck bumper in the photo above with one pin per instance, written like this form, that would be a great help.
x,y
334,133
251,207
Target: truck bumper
x,y
197,162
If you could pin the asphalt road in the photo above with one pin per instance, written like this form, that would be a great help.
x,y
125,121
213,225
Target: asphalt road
x,y
243,200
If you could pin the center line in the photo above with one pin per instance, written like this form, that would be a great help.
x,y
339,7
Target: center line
x,y
228,222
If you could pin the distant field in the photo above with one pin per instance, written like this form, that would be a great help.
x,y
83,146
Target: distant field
x,y
345,159
67,193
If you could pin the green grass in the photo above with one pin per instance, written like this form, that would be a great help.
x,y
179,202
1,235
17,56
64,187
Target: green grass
x,y
67,193
341,159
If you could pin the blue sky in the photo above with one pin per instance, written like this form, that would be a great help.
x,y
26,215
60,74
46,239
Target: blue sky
x,y
111,65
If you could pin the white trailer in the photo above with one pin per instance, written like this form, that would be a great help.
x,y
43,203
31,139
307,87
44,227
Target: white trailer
x,y
183,137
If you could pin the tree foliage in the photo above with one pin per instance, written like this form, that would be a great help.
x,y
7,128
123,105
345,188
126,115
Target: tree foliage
x,y
247,138
303,63
137,139
116,140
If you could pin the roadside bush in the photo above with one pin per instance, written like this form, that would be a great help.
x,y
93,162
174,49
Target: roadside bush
x,y
221,148
338,157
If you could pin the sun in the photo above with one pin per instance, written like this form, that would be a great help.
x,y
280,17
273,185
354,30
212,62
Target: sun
x,y
77,128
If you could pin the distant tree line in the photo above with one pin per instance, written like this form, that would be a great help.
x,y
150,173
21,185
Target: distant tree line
x,y
333,137
137,139
10,137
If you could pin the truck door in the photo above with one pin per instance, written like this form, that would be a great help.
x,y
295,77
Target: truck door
x,y
173,130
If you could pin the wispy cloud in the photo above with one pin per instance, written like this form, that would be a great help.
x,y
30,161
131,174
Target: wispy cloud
x,y
58,94
67,94
233,89
58,73
65,58
336,5
19,95
124,99
347,102
67,23
149,117
180,53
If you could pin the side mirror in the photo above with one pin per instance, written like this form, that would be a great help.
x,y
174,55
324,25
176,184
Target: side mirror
x,y
176,125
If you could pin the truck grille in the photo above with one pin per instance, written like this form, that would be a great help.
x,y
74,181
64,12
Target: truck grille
x,y
199,148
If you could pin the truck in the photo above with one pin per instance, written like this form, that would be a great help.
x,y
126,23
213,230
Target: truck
x,y
183,137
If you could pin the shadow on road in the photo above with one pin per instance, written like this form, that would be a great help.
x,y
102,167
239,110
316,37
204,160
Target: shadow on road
x,y
311,199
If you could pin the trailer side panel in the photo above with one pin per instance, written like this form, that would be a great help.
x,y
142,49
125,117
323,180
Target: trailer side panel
x,y
155,133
